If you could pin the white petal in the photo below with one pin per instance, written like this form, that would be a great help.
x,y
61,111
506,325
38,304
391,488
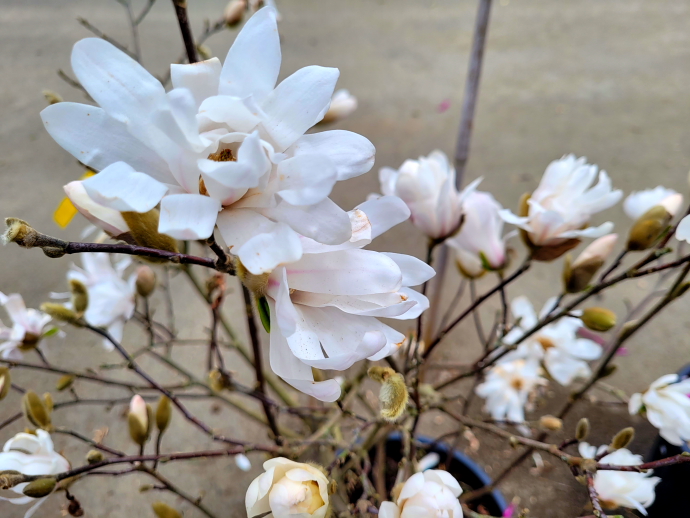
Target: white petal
x,y
351,153
603,229
188,216
414,271
297,103
109,220
683,230
306,179
384,213
97,140
200,78
120,187
229,110
389,510
253,62
324,222
120,85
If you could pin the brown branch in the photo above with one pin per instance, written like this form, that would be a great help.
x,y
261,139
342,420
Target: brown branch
x,y
185,29
594,497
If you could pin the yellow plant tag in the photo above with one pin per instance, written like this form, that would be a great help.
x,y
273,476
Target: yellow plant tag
x,y
66,210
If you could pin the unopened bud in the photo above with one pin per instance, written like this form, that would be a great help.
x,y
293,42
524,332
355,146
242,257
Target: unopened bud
x,y
10,478
513,442
680,290
139,420
41,487
144,230
145,487
146,281
80,296
622,438
578,275
52,97
219,380
163,413
393,397
343,104
257,284
598,319
648,228
609,369
20,232
582,429
62,313
5,382
234,12
204,51
94,457
35,410
163,510
48,402
65,382
380,374
550,423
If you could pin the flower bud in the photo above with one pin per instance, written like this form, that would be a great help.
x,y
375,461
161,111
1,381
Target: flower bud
x,y
65,382
393,397
139,420
243,462
144,230
257,284
5,382
648,228
598,319
622,438
80,296
380,374
163,510
94,457
578,275
550,423
234,12
20,232
35,410
163,413
52,97
343,104
62,313
10,478
41,487
219,380
48,402
146,281
582,429
204,51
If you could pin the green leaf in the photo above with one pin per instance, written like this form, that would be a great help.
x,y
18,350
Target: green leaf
x,y
52,331
264,313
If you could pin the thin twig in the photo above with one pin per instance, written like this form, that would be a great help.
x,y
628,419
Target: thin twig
x,y
185,30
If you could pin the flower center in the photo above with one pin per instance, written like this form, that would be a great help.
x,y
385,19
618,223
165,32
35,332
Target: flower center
x,y
224,155
517,383
29,342
545,342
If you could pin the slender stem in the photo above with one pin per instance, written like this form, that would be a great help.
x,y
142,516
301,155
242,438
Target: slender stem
x,y
475,313
453,304
616,263
594,497
186,30
103,36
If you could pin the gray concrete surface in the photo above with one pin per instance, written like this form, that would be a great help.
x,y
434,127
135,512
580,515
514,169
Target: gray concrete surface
x,y
603,79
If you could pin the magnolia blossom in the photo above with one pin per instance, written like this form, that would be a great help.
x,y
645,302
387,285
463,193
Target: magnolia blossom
x,y
31,455
287,489
324,306
429,494
557,345
621,488
224,139
637,203
667,406
508,386
557,213
427,186
111,298
28,325
480,244
343,104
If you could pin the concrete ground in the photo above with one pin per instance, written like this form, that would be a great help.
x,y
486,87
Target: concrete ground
x,y
603,79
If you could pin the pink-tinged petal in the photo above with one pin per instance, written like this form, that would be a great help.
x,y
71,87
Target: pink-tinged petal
x,y
233,111
324,222
346,272
352,154
298,103
120,187
306,179
120,85
97,140
200,78
384,213
188,216
109,220
253,62
15,307
414,271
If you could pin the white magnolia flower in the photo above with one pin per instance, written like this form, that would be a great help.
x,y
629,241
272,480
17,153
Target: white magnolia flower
x,y
507,388
287,489
621,488
28,325
480,244
427,185
639,202
667,406
343,104
111,298
559,210
430,494
224,139
557,345
31,455
324,306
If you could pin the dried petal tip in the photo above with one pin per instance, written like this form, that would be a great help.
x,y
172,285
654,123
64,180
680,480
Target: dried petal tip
x,y
146,281
622,438
80,296
598,319
163,510
582,429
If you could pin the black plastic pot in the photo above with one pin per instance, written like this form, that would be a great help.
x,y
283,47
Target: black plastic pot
x,y
672,495
464,469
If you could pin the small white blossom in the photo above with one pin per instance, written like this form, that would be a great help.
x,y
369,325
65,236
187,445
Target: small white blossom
x,y
288,489
427,186
429,494
639,202
243,462
343,104
667,406
28,325
621,488
31,454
